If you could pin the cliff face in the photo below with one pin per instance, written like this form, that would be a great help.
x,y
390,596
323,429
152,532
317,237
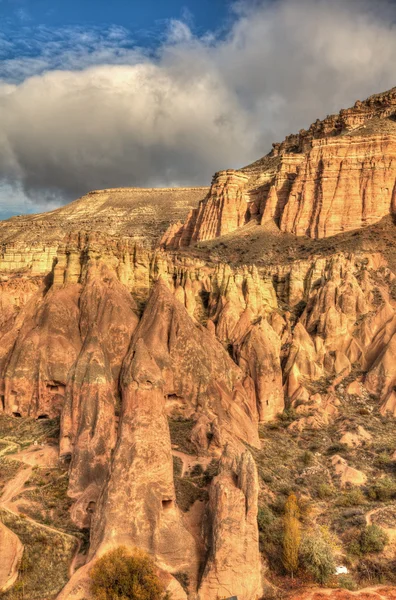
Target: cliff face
x,y
337,176
169,372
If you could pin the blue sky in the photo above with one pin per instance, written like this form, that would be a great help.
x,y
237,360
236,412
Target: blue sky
x,y
37,33
28,26
124,93
133,14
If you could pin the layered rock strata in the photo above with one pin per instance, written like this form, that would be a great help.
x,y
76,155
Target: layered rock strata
x,y
337,176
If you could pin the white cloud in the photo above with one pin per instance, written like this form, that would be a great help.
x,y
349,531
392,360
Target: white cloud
x,y
111,115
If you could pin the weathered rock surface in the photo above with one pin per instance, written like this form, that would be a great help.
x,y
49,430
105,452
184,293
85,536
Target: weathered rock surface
x,y
143,462
223,210
11,550
198,372
347,474
233,566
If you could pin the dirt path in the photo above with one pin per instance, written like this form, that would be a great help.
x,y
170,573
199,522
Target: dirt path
x,y
190,461
15,486
6,450
370,593
370,515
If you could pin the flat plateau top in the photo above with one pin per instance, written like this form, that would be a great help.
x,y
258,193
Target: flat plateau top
x,y
134,212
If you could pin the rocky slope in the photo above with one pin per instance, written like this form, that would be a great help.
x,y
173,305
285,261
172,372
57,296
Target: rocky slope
x,y
197,382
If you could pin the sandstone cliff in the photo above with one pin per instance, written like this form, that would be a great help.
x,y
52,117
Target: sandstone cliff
x,y
337,176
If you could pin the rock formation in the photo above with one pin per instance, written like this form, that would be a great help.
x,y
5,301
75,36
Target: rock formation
x,y
337,176
233,562
11,551
169,356
142,461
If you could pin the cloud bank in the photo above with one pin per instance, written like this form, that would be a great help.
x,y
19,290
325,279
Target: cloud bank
x,y
102,113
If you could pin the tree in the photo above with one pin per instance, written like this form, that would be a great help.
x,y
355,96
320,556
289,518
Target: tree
x,y
291,535
317,557
122,575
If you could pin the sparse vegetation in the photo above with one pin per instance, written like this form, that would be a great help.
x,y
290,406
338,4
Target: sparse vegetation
x,y
50,503
45,562
284,468
180,432
188,492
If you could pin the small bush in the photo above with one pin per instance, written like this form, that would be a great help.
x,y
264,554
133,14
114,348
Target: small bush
x,y
270,536
324,491
212,470
307,458
288,416
351,517
196,471
383,461
346,582
119,575
265,518
337,448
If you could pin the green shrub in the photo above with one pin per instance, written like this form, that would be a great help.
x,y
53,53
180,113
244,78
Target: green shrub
x,y
270,536
211,471
324,491
383,461
354,497
372,539
288,416
265,518
351,517
317,558
383,490
337,448
347,582
121,575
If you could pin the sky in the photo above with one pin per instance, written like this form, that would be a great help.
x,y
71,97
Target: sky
x,y
97,94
